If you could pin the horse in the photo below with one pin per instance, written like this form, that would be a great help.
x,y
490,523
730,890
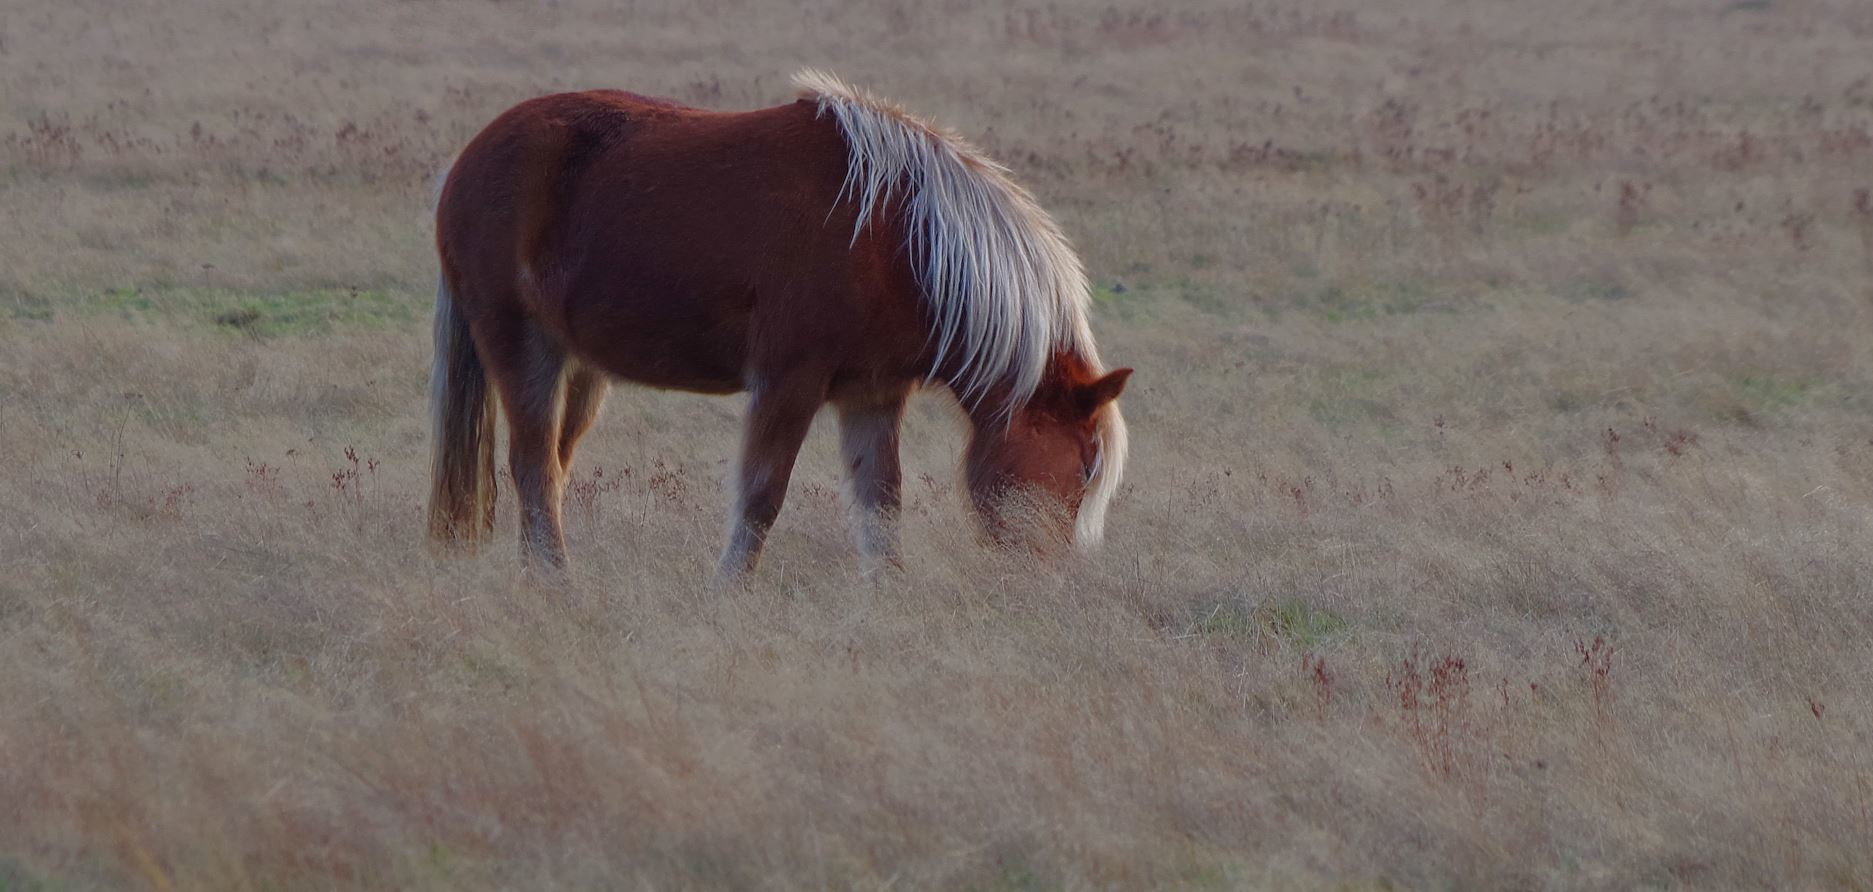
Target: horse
x,y
835,250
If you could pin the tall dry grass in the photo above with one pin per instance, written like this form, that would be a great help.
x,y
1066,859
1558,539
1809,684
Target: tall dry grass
x,y
1498,517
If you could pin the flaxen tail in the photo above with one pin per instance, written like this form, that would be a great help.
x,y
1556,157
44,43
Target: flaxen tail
x,y
461,411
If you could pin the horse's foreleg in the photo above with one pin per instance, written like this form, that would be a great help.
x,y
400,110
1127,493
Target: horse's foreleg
x,y
868,443
777,422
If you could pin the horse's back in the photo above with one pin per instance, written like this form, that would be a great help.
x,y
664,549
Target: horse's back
x,y
654,239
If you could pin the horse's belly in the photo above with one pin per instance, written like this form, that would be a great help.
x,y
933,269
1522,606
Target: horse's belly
x,y
674,344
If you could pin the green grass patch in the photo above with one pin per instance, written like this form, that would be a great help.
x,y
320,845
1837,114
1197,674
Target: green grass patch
x,y
25,307
1015,874
15,877
1229,621
1300,625
1291,621
1207,297
1753,397
1131,300
1119,300
1762,391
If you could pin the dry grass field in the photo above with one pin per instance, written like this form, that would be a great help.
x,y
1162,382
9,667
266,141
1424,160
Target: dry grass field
x,y
1499,513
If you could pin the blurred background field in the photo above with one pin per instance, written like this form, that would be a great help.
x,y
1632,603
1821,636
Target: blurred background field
x,y
1498,514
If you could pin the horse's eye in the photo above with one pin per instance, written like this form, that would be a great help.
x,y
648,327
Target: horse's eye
x,y
1091,468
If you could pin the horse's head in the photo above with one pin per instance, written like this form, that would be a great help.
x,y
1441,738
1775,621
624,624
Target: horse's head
x,y
1041,478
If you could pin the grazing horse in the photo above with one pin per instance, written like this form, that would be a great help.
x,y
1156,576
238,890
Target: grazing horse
x,y
832,250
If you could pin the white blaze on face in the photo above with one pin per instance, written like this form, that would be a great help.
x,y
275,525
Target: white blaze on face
x,y
1108,471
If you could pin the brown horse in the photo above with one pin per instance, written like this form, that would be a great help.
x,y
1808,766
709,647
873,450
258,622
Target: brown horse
x,y
833,250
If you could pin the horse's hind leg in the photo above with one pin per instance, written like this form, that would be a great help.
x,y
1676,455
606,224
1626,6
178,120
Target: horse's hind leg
x,y
528,367
585,394
868,444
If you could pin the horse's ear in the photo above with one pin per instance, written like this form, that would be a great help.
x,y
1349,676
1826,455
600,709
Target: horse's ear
x,y
1104,390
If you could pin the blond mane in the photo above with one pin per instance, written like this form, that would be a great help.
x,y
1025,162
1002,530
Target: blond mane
x,y
1006,288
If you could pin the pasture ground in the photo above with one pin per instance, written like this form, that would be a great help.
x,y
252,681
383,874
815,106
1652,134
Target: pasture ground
x,y
1498,518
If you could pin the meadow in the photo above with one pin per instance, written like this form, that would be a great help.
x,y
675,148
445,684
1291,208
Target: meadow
x,y
1498,514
